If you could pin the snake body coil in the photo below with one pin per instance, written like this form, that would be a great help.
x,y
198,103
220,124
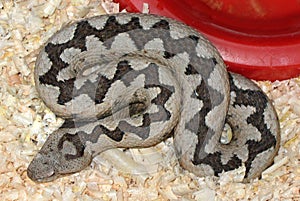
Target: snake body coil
x,y
132,80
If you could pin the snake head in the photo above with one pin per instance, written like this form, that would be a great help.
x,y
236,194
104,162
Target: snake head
x,y
61,155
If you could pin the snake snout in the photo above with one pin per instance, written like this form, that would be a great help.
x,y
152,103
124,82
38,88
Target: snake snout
x,y
41,169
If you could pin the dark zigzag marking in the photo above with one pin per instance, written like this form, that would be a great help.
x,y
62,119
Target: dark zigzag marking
x,y
259,101
106,35
83,29
80,138
204,133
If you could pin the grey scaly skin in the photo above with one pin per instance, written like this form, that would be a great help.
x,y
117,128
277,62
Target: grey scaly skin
x,y
132,80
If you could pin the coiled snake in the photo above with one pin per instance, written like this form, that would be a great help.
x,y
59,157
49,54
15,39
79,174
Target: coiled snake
x,y
132,80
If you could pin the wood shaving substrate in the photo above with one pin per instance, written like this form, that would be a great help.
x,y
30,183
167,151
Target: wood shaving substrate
x,y
134,174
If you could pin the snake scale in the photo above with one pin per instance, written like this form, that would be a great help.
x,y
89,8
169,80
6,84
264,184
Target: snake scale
x,y
133,80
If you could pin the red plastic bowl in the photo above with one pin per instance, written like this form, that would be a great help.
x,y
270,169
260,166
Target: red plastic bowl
x,y
258,38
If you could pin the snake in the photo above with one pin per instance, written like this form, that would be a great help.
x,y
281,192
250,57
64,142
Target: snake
x,y
133,80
